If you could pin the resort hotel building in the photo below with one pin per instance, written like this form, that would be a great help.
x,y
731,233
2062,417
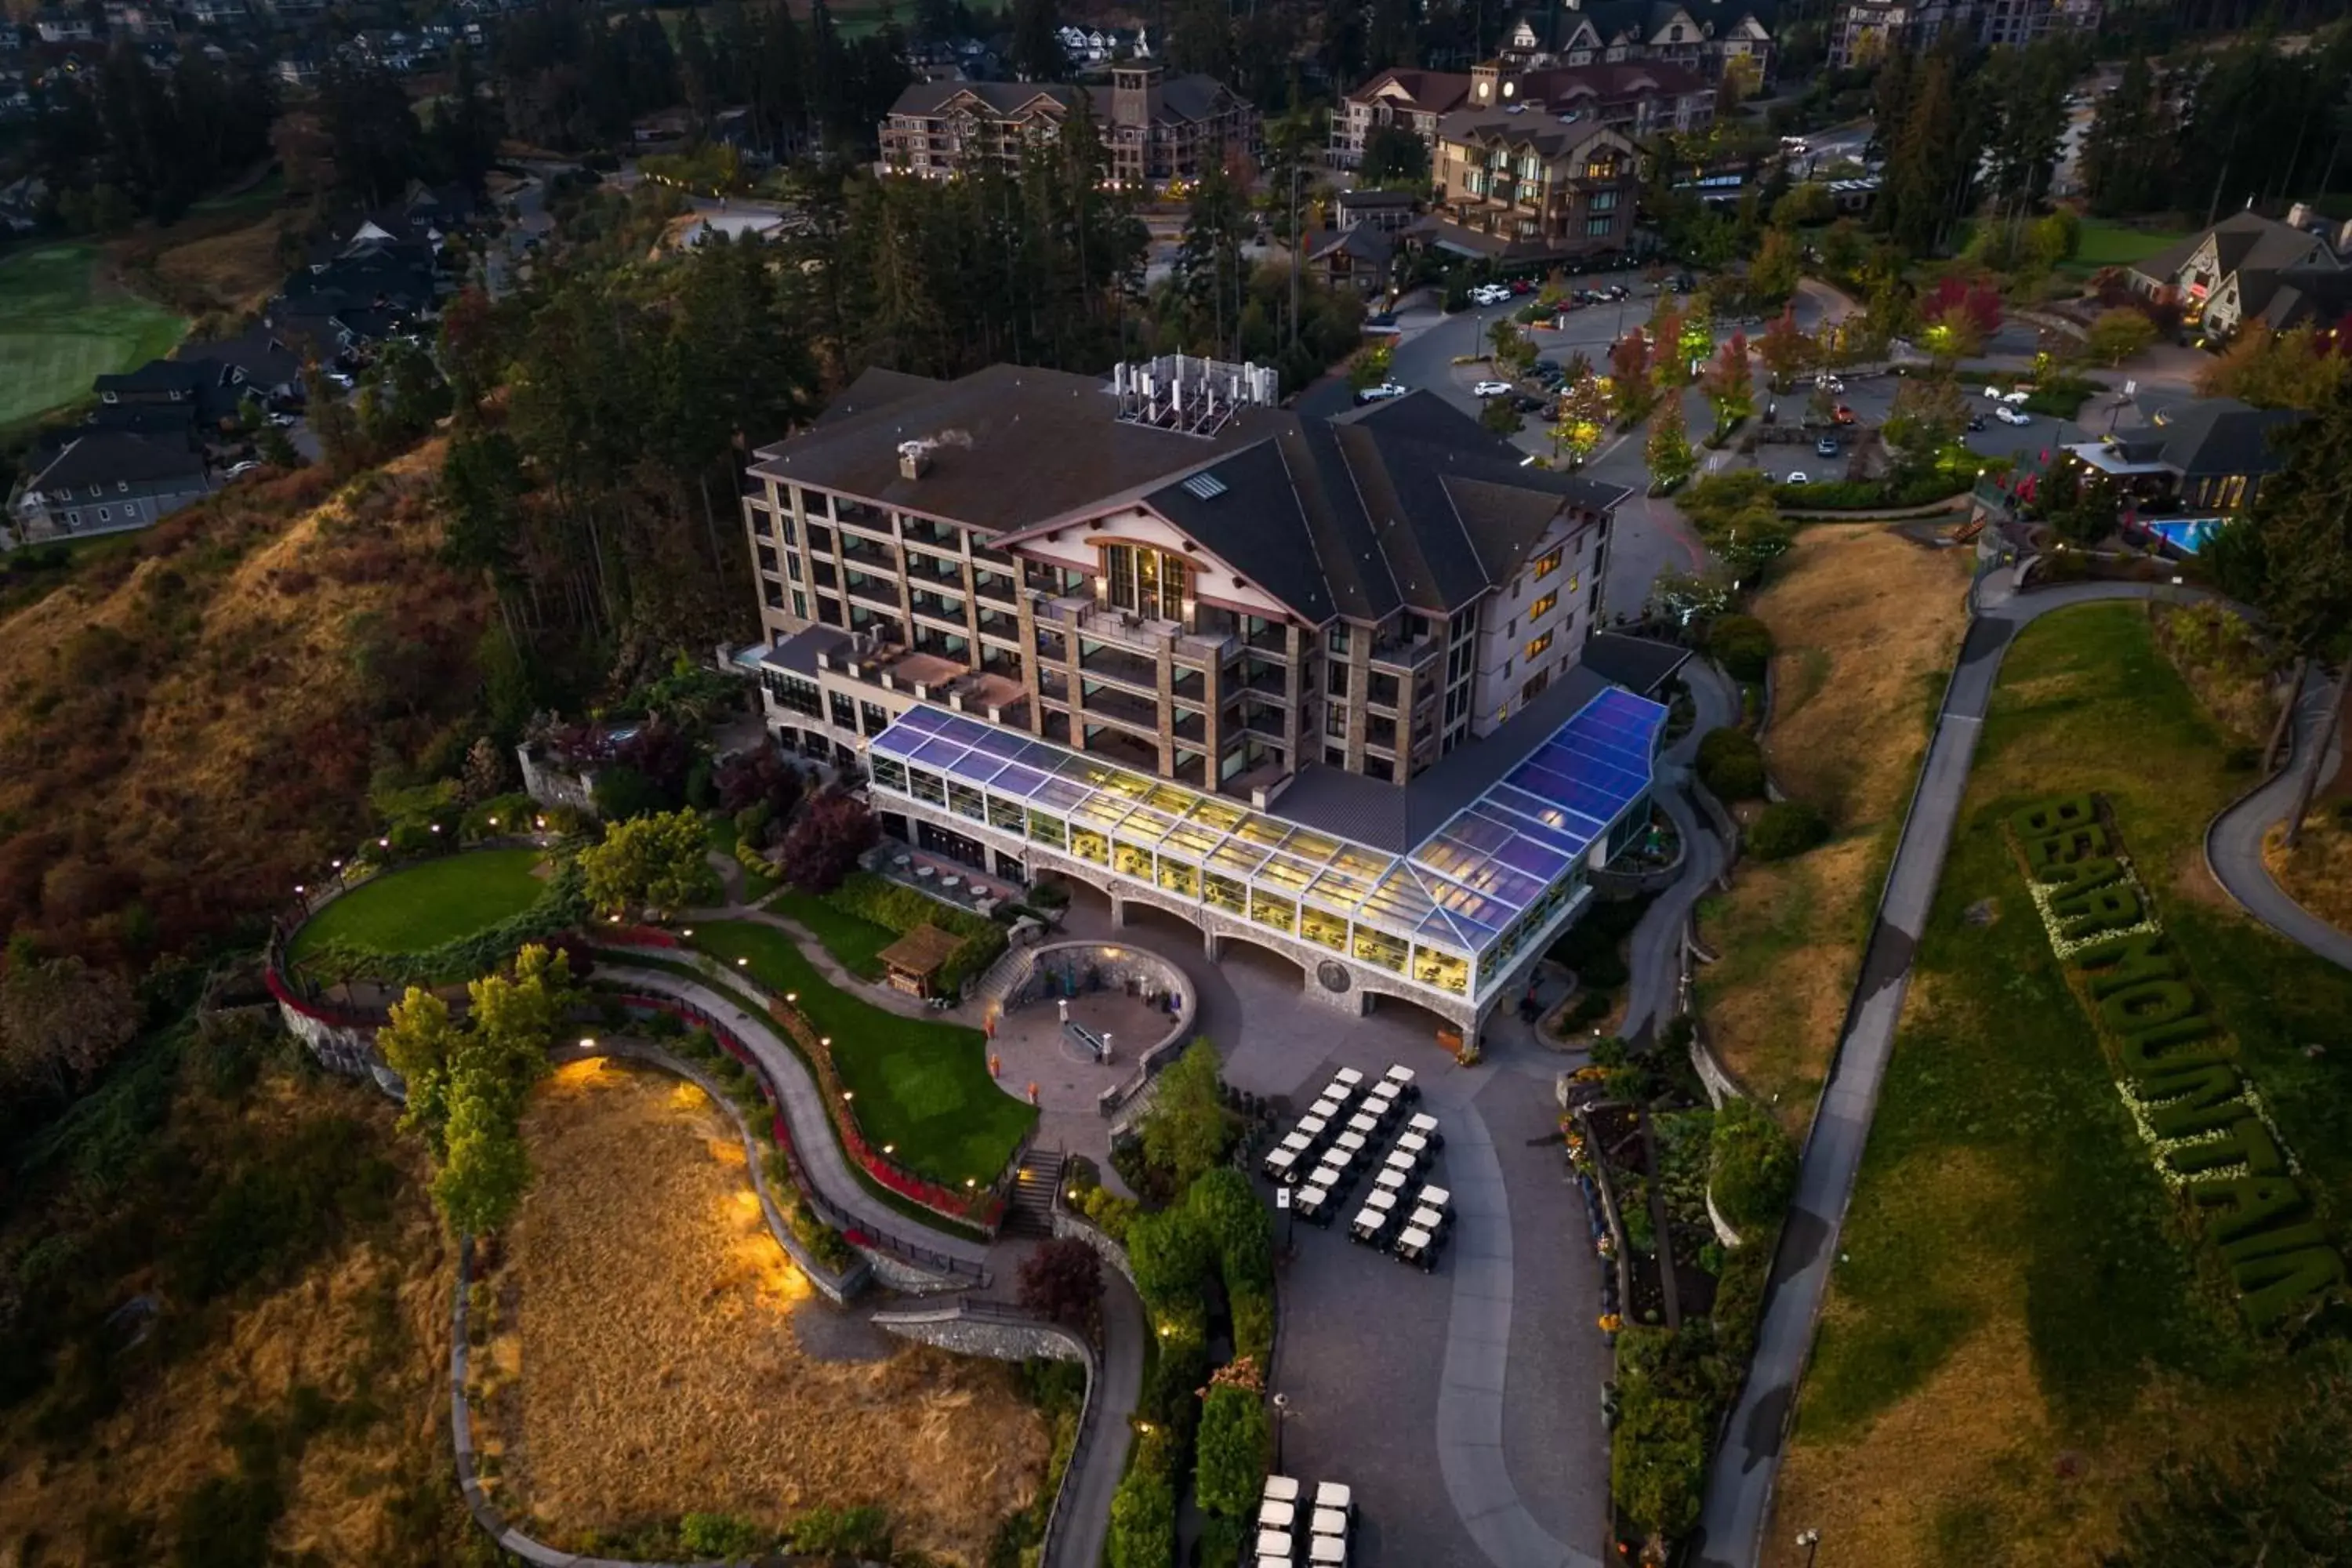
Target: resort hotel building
x,y
1327,686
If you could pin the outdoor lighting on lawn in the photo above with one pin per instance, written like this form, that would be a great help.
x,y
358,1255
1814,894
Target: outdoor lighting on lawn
x,y
824,1040
436,827
338,865
742,964
688,932
849,1094
587,1042
1810,1540
1282,1414
1144,1428
494,822
890,1148
297,887
969,1184
542,821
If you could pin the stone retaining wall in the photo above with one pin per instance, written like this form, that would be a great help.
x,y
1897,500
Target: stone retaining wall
x,y
998,1339
1066,1224
1118,965
898,1274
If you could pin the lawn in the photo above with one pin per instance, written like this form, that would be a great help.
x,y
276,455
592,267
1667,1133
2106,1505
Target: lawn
x,y
61,325
921,1085
757,885
2105,243
424,906
854,942
2017,1328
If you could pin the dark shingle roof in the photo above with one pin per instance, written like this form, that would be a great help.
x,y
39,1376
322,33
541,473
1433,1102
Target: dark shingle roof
x,y
103,456
929,98
1432,93
1195,97
2220,436
2244,242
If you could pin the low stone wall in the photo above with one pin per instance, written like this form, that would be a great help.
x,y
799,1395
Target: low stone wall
x,y
1067,1224
966,1331
1713,1077
898,1274
1120,966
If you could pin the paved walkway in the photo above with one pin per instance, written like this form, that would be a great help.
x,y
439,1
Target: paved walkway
x,y
2233,845
1654,951
1088,1494
1739,1483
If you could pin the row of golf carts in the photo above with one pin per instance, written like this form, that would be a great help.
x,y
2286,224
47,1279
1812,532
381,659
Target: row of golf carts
x,y
1327,1153
1293,1528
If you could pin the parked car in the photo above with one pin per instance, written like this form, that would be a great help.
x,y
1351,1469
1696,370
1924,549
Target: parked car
x,y
1829,385
1975,422
1522,286
2008,416
1489,294
1796,479
1842,415
1826,447
284,420
1491,389
2015,394
1383,392
1528,403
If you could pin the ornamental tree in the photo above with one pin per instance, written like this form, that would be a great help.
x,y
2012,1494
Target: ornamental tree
x,y
1583,419
824,843
1729,382
1669,448
1629,378
659,861
1784,349
1062,1280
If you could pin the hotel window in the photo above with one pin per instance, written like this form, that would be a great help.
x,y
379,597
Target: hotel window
x,y
1545,605
1600,227
1149,582
1539,647
1602,202
1574,578
1600,169
1530,166
1475,182
1546,564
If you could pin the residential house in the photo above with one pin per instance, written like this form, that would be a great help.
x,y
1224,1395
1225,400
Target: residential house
x,y
1515,185
108,481
64,24
1100,46
1181,645
1157,129
1715,39
12,37
1387,211
1362,257
299,68
217,13
2246,268
2210,456
257,362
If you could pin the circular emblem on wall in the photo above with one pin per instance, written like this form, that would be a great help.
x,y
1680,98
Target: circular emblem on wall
x,y
1334,976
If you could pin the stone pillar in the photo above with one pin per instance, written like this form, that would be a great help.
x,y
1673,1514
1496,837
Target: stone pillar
x,y
1211,945
1118,912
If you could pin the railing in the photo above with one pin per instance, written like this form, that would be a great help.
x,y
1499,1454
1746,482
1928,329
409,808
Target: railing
x,y
1132,631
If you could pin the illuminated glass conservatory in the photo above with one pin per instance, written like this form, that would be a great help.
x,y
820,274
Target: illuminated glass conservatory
x,y
1448,919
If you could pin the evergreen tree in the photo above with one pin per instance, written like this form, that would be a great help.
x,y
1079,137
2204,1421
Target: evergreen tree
x,y
698,74
1036,53
466,130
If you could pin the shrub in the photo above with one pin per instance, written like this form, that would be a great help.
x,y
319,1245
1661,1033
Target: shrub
x,y
1238,1225
1659,1452
1253,1312
1731,764
861,1533
1742,645
496,817
621,791
1143,1521
824,845
1171,1255
1231,1468
1110,1212
1786,828
1752,1166
1062,1280
722,1535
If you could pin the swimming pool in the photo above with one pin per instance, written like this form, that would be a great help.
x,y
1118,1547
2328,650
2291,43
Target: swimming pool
x,y
2189,536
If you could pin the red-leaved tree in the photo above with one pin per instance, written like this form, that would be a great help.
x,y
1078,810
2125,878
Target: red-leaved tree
x,y
832,831
1062,1280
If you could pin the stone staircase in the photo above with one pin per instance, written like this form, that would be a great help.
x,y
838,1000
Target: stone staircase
x,y
1029,1211
1007,971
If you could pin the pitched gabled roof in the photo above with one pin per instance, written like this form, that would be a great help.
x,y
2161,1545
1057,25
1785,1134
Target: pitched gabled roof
x,y
1195,97
2244,242
103,456
1432,93
2219,436
1001,98
1545,135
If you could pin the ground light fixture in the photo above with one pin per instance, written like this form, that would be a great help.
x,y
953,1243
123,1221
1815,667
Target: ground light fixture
x,y
1810,1540
587,1042
890,1148
742,964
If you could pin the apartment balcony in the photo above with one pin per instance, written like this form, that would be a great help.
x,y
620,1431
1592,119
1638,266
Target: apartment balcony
x,y
1053,685
999,625
1403,655
922,568
879,593
1269,721
1266,680
1273,640
859,551
1116,664
938,608
1117,746
876,527
995,586
1189,725
935,536
1138,633
1120,708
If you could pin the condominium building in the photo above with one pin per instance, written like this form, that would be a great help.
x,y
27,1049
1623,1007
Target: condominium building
x,y
1156,128
1715,39
1862,32
1636,100
1519,186
1168,602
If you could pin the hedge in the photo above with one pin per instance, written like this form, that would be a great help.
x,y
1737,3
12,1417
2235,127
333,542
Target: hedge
x,y
1751,1166
1731,764
1742,645
901,909
1787,828
1143,1519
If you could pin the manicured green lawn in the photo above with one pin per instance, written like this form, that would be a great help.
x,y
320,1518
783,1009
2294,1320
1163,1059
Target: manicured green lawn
x,y
424,906
2003,1176
756,885
853,940
921,1085
58,330
2105,243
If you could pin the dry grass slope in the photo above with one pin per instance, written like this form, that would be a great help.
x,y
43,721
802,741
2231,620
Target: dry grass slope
x,y
1866,624
653,1366
192,722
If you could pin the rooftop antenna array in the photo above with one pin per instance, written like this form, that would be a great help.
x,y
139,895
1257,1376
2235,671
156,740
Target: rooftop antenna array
x,y
1191,395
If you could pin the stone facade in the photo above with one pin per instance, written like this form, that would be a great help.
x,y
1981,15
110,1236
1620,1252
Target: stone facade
x,y
907,1278
1000,1338
550,784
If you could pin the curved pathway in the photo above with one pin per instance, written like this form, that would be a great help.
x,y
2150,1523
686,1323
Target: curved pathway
x,y
2234,844
1654,953
1739,1482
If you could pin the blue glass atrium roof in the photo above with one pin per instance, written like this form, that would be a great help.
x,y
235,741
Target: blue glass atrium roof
x,y
1459,888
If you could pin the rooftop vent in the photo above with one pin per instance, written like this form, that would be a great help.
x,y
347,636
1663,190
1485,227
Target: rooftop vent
x,y
1193,396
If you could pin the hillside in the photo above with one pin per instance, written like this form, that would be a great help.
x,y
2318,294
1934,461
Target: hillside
x,y
190,721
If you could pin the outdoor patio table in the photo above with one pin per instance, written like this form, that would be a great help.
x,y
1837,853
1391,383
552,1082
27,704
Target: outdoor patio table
x,y
1425,1125
1267,1561
925,872
1312,1202
1330,1521
1347,1076
1338,1089
1436,1197
1275,1514
1328,1550
1390,1181
1326,1108
950,881
1272,1543
1282,1488
1333,1494
1416,1247
1400,1160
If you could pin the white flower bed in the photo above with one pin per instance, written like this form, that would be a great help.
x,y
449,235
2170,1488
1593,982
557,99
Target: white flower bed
x,y
2045,894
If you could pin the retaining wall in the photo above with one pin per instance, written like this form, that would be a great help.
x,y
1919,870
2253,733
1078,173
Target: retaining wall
x,y
998,1339
1066,1224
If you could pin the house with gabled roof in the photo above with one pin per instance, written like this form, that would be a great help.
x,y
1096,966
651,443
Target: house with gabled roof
x,y
2247,268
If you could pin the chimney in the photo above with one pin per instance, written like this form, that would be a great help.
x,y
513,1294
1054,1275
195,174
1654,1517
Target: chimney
x,y
914,459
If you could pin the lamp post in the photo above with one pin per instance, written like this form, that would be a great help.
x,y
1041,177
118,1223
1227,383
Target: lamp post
x,y
1282,1413
1810,1540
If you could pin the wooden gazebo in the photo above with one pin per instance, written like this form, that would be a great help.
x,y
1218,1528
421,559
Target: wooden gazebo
x,y
915,959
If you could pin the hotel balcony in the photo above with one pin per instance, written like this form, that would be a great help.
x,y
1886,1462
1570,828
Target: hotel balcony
x,y
1120,708
1145,636
1116,664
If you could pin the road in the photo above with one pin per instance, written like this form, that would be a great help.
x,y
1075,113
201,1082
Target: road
x,y
2233,845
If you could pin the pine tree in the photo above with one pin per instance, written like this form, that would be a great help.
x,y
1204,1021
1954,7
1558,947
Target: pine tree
x,y
1036,53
